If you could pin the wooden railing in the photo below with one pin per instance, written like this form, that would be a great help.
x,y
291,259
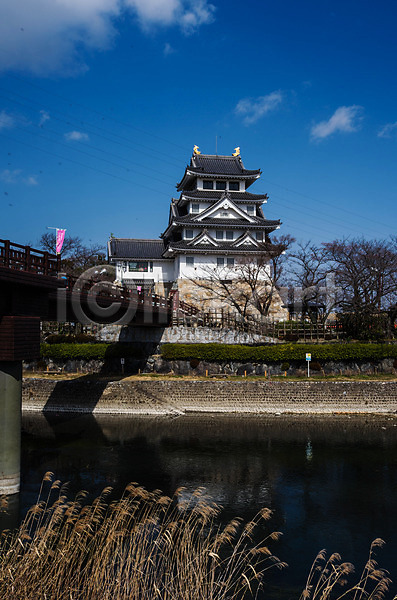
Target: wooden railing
x,y
283,331
24,258
107,289
306,331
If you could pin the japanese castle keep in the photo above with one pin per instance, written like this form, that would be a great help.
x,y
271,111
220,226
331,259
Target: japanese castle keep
x,y
214,224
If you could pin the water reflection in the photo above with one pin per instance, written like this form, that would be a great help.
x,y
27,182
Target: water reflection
x,y
330,481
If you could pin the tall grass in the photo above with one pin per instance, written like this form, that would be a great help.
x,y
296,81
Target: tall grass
x,y
143,546
148,546
328,575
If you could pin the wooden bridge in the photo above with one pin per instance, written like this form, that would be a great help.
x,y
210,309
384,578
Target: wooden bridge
x,y
32,288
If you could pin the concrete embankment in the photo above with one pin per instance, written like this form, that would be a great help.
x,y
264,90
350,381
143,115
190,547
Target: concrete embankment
x,y
159,397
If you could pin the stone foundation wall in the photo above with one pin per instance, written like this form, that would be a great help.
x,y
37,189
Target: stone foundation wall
x,y
157,364
192,293
154,363
189,396
179,334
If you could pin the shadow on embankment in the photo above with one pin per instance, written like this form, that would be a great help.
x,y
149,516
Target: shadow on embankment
x,y
80,395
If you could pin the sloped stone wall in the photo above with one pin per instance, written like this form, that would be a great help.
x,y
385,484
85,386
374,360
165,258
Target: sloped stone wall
x,y
190,396
178,334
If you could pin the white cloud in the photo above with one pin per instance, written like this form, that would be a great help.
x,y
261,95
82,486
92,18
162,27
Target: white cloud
x,y
253,109
76,136
32,180
168,49
47,36
9,176
345,119
44,116
187,14
50,36
199,13
388,130
15,176
6,121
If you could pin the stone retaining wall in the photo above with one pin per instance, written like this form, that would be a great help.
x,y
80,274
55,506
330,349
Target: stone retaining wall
x,y
151,337
156,364
194,396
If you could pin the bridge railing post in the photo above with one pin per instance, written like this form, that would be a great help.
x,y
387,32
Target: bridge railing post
x,y
45,265
28,260
7,253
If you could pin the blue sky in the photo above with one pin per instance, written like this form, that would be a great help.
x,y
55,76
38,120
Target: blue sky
x,y
101,102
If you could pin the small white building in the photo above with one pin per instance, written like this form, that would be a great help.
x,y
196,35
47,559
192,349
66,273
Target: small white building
x,y
214,223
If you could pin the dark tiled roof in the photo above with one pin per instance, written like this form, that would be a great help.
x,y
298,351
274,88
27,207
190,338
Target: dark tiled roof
x,y
220,165
183,245
216,195
226,222
135,248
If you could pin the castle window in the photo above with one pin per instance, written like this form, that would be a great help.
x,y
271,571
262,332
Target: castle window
x,y
190,261
138,266
195,208
229,235
219,235
234,186
230,262
259,236
220,261
208,185
189,234
251,210
221,185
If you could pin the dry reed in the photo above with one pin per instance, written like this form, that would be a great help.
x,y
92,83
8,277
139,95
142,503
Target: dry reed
x,y
329,578
147,546
143,546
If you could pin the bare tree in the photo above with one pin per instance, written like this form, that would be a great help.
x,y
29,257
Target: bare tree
x,y
250,286
277,257
366,272
76,257
308,270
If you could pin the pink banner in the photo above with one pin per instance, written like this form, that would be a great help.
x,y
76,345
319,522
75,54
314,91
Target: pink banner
x,y
60,238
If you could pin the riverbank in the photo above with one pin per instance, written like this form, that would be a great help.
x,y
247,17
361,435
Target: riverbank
x,y
185,396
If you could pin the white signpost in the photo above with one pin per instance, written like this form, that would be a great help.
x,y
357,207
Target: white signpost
x,y
308,359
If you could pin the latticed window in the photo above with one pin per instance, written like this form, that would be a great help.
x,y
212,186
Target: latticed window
x,y
190,261
219,235
189,234
234,186
195,208
221,185
230,262
208,185
220,261
229,235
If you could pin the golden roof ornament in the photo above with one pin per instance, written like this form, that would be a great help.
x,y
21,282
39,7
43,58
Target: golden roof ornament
x,y
236,151
196,150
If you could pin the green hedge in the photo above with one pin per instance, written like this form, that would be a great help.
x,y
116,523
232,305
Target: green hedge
x,y
88,351
223,352
278,352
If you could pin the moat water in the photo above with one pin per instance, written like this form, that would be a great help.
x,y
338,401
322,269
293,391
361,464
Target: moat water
x,y
331,481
